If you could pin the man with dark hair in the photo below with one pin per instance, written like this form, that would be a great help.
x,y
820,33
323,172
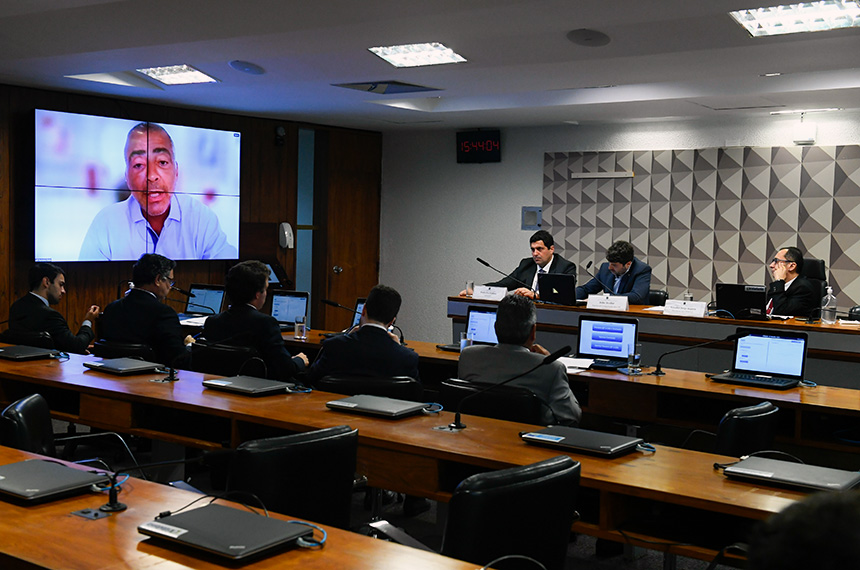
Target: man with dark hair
x,y
33,312
244,325
516,327
524,279
371,350
141,316
790,294
622,274
822,532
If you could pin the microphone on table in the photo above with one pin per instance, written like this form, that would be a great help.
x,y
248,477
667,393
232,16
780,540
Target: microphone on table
x,y
183,291
549,359
606,287
659,371
507,275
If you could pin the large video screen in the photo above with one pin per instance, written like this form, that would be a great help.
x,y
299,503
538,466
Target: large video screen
x,y
112,189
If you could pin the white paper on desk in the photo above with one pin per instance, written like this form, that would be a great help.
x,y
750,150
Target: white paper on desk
x,y
848,323
194,321
574,365
656,309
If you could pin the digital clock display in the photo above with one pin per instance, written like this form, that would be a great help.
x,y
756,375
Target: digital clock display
x,y
478,146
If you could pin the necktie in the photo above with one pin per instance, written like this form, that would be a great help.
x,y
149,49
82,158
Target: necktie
x,y
541,271
617,284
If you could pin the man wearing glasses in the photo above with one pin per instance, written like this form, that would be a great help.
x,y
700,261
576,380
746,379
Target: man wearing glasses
x,y
790,294
141,316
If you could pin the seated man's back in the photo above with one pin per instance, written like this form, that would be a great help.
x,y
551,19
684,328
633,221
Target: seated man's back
x,y
141,319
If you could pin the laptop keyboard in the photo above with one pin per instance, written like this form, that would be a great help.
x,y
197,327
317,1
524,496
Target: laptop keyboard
x,y
609,364
773,382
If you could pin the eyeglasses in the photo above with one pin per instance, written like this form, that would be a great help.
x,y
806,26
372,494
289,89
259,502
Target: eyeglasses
x,y
170,281
778,260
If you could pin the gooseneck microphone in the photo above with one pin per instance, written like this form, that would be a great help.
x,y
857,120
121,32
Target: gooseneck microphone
x,y
606,287
183,291
507,275
659,371
457,425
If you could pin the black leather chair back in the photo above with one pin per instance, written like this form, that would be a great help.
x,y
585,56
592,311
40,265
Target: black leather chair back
x,y
658,297
510,403
814,270
115,349
39,339
308,475
524,510
27,426
226,360
854,313
747,430
399,387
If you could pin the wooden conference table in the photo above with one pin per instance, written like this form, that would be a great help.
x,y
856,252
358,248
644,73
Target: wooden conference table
x,y
49,537
639,496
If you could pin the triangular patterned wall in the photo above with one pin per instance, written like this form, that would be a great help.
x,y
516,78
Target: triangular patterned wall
x,y
708,215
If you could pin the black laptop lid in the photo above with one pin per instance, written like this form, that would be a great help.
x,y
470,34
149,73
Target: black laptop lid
x,y
557,288
38,480
21,352
771,352
791,474
583,440
606,337
206,300
739,300
287,305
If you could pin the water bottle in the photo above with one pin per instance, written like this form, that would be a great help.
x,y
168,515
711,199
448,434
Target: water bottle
x,y
828,307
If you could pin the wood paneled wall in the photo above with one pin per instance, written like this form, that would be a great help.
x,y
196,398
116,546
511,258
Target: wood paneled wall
x,y
268,193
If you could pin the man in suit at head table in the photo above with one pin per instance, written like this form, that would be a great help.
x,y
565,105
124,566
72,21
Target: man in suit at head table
x,y
524,279
244,325
790,294
33,312
621,274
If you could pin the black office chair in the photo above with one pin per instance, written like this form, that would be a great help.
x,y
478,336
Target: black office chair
x,y
746,430
116,349
226,360
511,403
854,313
658,297
814,270
308,475
525,510
39,339
399,387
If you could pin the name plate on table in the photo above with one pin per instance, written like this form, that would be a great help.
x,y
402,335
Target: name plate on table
x,y
608,302
488,293
678,308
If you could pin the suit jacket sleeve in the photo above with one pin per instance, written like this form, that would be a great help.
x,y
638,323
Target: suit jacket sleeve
x,y
799,300
641,286
63,338
522,276
169,336
562,402
276,354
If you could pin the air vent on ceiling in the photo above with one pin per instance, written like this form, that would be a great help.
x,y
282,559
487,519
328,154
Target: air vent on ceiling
x,y
386,87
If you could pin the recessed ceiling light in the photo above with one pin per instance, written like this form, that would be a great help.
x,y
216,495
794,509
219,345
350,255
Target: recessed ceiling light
x,y
795,18
177,75
774,74
804,111
417,55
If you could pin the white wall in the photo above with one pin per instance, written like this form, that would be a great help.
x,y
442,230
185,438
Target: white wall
x,y
437,215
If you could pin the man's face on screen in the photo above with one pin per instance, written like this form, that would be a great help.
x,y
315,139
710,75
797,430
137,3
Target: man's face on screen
x,y
151,170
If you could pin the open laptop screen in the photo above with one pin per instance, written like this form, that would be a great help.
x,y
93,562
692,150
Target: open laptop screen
x,y
481,325
359,306
287,305
780,353
205,297
606,337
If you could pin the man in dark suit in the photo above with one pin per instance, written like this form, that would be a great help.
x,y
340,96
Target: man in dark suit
x,y
244,325
33,312
141,317
524,279
622,274
790,294
516,327
370,350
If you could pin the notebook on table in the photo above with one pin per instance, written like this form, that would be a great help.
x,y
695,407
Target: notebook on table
x,y
376,406
207,300
287,305
791,474
557,288
767,359
226,532
741,301
248,385
583,440
124,366
21,352
480,327
606,340
37,480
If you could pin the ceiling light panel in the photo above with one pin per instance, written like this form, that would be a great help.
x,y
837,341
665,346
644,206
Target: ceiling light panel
x,y
177,75
417,55
796,18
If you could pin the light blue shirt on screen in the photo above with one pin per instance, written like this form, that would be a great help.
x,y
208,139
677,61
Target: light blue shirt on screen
x,y
191,231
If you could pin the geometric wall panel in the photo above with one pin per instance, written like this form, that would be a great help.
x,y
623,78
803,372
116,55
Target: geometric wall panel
x,y
711,215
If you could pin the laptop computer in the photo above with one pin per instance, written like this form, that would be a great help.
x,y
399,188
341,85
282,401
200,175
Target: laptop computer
x,y
287,305
767,359
791,474
123,366
557,288
606,340
359,306
480,327
248,385
583,440
37,480
226,532
376,406
207,300
21,352
741,301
